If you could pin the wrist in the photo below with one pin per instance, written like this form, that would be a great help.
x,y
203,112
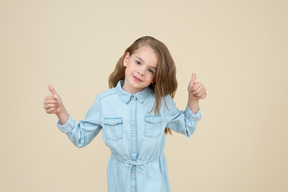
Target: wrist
x,y
193,105
193,100
63,116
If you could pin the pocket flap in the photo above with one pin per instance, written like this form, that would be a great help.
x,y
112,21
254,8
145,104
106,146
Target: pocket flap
x,y
153,119
112,121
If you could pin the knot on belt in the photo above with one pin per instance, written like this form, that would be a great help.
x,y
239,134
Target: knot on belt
x,y
138,163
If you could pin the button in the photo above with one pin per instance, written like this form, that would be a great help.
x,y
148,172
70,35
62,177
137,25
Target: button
x,y
133,151
132,102
132,96
133,174
133,126
112,122
153,120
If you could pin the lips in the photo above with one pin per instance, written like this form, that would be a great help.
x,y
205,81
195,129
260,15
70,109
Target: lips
x,y
136,79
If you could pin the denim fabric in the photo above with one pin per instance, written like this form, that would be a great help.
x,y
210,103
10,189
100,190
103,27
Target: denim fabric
x,y
135,136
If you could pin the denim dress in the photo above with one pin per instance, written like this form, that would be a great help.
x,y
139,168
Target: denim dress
x,y
135,136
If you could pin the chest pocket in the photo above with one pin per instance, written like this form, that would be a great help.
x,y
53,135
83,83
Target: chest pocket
x,y
113,128
152,126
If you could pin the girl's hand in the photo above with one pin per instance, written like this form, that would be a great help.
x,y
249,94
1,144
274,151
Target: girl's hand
x,y
53,103
196,89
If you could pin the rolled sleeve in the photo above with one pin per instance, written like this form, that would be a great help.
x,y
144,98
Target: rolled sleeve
x,y
183,122
68,126
190,115
191,120
83,132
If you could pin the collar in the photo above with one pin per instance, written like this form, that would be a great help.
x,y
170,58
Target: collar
x,y
125,96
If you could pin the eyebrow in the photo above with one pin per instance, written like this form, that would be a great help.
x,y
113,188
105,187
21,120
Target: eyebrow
x,y
140,59
144,62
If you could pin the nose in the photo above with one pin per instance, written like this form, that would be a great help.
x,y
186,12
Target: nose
x,y
141,71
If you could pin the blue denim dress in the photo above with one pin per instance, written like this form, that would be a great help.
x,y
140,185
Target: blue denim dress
x,y
135,136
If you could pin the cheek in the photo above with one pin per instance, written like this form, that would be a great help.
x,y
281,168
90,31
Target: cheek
x,y
128,69
150,77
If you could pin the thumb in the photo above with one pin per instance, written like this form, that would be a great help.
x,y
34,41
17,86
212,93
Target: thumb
x,y
193,78
52,90
192,82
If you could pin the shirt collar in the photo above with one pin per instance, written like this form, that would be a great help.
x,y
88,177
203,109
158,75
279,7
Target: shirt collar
x,y
125,96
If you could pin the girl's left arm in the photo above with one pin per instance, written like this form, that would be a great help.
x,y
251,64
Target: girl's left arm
x,y
185,122
196,92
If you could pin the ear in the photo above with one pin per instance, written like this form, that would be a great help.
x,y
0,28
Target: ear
x,y
126,59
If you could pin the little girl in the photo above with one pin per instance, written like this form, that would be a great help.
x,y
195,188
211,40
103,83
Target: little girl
x,y
134,116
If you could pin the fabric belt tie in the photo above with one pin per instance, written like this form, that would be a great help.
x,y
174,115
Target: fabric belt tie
x,y
138,163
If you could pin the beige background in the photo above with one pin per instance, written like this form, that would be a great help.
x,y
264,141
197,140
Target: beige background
x,y
238,49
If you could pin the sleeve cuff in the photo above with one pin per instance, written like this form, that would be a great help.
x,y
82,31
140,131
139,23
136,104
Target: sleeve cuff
x,y
68,126
190,115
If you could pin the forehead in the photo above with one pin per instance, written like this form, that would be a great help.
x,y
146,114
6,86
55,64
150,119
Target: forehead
x,y
147,54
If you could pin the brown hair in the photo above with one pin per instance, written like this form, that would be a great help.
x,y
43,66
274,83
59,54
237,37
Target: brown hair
x,y
165,79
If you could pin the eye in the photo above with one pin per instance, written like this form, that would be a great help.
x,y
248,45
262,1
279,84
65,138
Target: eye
x,y
151,71
138,62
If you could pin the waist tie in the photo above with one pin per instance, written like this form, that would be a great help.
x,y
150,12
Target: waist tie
x,y
137,163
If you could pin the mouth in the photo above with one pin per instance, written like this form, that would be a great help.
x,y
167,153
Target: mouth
x,y
137,79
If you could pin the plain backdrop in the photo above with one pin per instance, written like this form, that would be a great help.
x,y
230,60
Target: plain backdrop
x,y
238,49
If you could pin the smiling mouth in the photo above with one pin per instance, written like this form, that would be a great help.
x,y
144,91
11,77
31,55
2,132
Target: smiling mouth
x,y
137,79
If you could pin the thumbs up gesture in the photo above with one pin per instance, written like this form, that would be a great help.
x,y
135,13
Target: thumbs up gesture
x,y
196,89
53,103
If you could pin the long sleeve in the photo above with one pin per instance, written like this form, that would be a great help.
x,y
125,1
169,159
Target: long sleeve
x,y
183,122
82,133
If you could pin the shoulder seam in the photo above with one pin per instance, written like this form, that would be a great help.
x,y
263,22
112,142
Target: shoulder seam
x,y
107,93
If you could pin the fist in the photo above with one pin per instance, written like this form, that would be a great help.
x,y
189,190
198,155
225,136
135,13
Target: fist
x,y
53,103
196,89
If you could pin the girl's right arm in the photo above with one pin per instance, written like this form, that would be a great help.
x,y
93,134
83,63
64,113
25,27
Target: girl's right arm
x,y
80,133
53,105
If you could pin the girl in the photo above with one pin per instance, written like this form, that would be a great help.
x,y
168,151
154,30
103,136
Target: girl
x,y
135,114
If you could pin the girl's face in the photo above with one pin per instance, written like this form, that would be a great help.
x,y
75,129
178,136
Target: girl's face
x,y
141,68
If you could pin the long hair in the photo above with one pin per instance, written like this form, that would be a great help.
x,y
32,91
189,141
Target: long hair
x,y
165,79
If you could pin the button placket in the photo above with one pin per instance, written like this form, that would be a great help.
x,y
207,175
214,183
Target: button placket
x,y
133,141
